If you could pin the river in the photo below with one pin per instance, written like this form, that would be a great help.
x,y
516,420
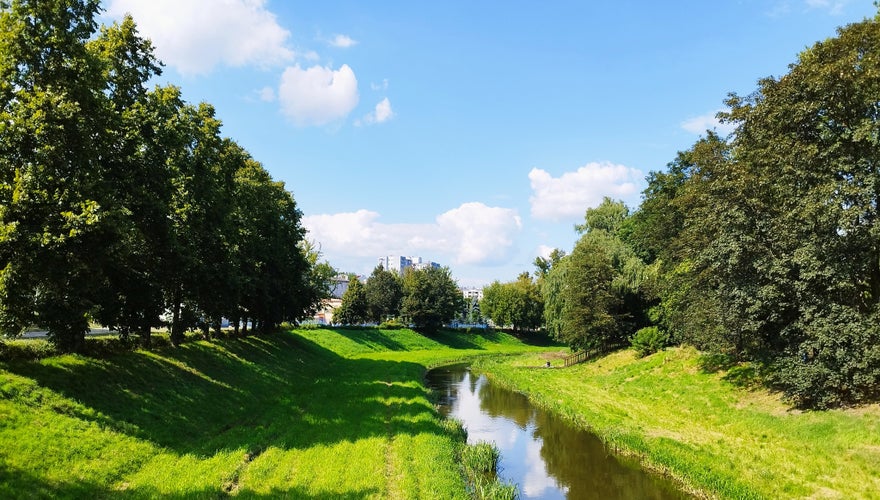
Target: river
x,y
545,456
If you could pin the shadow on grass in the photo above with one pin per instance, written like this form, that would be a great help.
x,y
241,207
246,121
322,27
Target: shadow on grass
x,y
15,483
280,390
370,337
23,484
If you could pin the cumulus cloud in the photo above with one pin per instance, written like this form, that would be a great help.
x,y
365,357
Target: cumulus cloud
x,y
342,41
381,114
700,124
196,36
834,7
472,233
568,196
544,251
317,95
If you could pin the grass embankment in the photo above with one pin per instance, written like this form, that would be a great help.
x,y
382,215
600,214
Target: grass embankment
x,y
717,438
306,414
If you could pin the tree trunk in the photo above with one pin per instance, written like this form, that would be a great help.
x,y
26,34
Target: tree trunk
x,y
176,334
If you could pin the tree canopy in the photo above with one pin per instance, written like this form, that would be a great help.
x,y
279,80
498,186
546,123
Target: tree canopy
x,y
118,202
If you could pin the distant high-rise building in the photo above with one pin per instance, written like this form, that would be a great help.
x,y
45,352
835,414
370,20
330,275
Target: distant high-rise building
x,y
399,263
472,293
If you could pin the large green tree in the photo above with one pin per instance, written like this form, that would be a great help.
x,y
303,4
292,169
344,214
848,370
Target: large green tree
x,y
118,203
384,291
517,304
63,149
594,298
431,298
354,307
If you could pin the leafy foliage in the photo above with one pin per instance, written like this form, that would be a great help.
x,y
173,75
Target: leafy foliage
x,y
648,340
431,298
118,203
384,291
767,241
517,304
354,308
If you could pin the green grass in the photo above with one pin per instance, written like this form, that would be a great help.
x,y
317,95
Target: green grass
x,y
715,437
307,414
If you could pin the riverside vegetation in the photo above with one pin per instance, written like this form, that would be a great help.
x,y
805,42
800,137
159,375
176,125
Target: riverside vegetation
x,y
343,413
304,414
682,414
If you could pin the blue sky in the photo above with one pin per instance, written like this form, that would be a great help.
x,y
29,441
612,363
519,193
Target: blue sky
x,y
474,134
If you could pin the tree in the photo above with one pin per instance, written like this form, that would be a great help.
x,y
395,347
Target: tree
x,y
431,298
807,147
384,294
63,97
517,304
594,298
317,283
354,308
608,216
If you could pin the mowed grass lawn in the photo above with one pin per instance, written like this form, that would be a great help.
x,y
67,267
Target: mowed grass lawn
x,y
720,439
321,413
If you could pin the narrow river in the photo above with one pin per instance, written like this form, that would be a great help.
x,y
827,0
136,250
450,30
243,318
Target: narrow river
x,y
541,453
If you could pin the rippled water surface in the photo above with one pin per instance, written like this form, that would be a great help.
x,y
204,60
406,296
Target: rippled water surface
x,y
540,452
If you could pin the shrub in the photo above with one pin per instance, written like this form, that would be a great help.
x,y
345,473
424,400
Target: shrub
x,y
26,350
648,340
391,324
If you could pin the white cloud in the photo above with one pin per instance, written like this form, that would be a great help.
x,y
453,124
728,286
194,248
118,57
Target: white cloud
x,y
479,234
834,7
571,194
342,41
317,95
380,86
544,251
381,114
473,233
267,94
195,36
700,124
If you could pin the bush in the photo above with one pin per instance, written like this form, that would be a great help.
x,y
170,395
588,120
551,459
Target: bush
x,y
391,324
26,350
649,340
839,364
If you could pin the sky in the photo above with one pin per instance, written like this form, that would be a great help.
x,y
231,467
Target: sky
x,y
470,133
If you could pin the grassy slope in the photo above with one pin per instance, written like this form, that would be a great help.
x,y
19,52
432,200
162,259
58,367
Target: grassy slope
x,y
318,414
718,438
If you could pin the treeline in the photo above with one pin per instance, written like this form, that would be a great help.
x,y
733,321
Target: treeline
x,y
426,298
763,246
120,204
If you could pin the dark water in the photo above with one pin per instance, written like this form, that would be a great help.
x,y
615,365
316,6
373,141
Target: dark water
x,y
540,452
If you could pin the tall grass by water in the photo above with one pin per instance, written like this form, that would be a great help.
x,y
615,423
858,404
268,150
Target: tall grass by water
x,y
305,414
718,438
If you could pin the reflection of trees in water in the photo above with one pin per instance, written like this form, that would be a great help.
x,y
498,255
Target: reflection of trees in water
x,y
579,461
499,402
576,459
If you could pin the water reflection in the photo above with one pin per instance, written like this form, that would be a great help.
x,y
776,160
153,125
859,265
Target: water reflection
x,y
540,452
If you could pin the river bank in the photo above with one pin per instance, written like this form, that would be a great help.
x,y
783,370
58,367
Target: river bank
x,y
323,413
717,439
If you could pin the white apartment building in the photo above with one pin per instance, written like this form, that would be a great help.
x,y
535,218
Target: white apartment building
x,y
399,263
472,293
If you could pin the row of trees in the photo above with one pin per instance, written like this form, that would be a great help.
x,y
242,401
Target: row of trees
x,y
425,298
119,203
763,246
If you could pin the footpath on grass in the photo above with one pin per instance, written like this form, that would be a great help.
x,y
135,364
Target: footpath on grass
x,y
718,439
318,413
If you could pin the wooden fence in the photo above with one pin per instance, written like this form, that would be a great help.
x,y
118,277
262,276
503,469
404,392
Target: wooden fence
x,y
580,357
